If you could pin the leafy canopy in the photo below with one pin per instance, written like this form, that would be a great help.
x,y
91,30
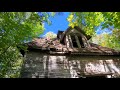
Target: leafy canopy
x,y
91,21
15,29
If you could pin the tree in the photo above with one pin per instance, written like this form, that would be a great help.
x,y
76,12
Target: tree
x,y
101,39
88,21
91,21
50,35
108,40
15,29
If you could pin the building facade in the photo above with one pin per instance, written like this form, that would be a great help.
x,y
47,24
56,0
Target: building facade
x,y
70,55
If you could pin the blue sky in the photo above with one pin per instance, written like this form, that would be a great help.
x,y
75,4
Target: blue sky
x,y
100,31
59,22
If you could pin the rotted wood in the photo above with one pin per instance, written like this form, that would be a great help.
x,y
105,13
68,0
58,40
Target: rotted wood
x,y
46,67
84,39
71,44
101,74
67,42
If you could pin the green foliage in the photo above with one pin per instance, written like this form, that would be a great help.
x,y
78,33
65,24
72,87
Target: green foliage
x,y
90,21
100,39
111,19
10,64
72,20
108,40
15,29
86,20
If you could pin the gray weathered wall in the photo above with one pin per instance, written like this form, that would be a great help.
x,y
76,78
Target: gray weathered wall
x,y
42,65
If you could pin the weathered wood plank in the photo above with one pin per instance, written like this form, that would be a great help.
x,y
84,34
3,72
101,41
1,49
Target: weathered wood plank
x,y
67,42
99,74
71,44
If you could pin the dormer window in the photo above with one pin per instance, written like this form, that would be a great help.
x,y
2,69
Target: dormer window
x,y
73,38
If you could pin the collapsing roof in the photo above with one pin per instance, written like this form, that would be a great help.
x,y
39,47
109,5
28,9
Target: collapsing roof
x,y
71,41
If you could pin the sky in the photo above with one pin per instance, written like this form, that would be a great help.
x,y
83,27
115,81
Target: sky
x,y
59,22
100,31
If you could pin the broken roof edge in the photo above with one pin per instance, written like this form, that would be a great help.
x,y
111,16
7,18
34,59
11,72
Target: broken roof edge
x,y
79,53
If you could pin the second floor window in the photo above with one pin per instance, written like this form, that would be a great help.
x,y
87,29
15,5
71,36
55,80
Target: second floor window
x,y
76,41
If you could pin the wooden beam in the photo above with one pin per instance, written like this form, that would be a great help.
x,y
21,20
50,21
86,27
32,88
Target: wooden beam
x,y
84,39
67,42
86,42
99,74
71,44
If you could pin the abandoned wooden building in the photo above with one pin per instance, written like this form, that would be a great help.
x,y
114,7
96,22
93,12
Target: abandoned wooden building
x,y
70,55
